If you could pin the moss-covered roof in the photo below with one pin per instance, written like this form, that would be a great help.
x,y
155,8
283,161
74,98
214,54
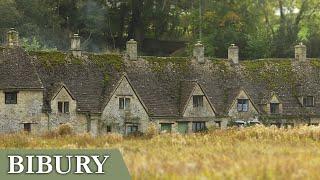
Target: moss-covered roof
x,y
92,78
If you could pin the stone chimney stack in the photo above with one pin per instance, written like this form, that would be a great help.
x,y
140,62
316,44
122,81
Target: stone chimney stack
x,y
233,53
12,37
76,45
132,49
300,52
198,52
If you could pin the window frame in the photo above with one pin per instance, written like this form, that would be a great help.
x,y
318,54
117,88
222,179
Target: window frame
x,y
162,129
27,127
109,129
198,126
132,126
243,102
11,101
197,101
306,101
277,110
124,103
63,107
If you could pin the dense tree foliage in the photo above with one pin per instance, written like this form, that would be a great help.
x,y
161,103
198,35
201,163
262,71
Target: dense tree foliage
x,y
261,28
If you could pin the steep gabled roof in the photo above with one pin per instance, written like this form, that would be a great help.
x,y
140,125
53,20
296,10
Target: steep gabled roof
x,y
159,91
186,92
124,77
57,87
157,81
17,71
87,81
186,89
247,95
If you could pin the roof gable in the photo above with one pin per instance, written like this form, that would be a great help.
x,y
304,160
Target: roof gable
x,y
242,94
57,89
274,99
195,90
125,79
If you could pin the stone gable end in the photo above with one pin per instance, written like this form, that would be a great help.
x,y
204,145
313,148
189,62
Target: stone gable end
x,y
77,121
117,118
205,111
233,111
63,96
274,99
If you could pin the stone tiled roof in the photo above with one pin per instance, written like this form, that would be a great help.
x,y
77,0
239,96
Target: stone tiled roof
x,y
164,85
17,71
186,88
85,82
160,94
56,87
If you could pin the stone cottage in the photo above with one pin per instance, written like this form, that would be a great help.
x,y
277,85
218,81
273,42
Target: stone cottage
x,y
113,93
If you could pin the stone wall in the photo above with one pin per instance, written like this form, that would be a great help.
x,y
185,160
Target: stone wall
x,y
93,124
76,120
198,112
117,118
28,109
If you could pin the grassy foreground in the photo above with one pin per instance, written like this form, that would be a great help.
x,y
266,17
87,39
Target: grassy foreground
x,y
251,153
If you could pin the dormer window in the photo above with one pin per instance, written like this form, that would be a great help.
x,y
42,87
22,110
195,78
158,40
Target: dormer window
x,y
11,97
308,101
63,107
124,103
198,101
243,105
274,108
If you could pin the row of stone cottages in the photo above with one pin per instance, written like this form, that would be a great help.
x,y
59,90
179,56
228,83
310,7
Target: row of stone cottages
x,y
128,92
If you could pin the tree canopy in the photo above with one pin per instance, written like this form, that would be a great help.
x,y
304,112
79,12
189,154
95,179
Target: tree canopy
x,y
261,28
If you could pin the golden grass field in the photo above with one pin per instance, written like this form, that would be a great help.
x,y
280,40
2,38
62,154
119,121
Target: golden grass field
x,y
251,153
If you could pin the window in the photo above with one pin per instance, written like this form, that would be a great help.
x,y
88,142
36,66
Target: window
x,y
108,129
308,101
124,103
63,107
132,128
27,127
197,101
166,127
11,97
243,105
274,108
66,107
198,126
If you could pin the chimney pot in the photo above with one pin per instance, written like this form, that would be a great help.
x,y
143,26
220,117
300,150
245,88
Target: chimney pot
x,y
198,52
300,52
233,53
132,49
76,45
12,37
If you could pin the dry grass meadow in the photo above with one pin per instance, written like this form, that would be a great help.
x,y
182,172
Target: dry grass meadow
x,y
252,153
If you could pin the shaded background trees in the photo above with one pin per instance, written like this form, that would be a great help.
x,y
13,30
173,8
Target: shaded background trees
x,y
261,28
